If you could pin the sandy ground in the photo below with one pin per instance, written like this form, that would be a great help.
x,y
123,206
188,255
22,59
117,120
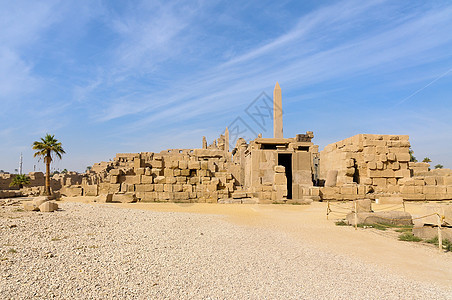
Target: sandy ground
x,y
291,250
308,223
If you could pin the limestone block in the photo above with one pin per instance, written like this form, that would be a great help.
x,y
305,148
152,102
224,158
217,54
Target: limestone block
x,y
116,172
185,172
48,206
147,179
372,165
204,165
379,181
331,178
149,197
168,187
407,189
389,200
402,173
394,189
125,198
413,197
314,191
430,180
194,165
369,150
159,187
391,157
170,180
448,180
441,189
183,164
366,181
167,172
391,181
181,180
349,190
37,201
140,171
160,179
381,149
380,165
157,164
194,180
350,171
364,205
30,206
279,169
104,198
281,192
440,180
403,157
399,218
164,196
177,172
395,165
211,166
369,157
177,188
419,182
187,188
114,179
429,232
280,179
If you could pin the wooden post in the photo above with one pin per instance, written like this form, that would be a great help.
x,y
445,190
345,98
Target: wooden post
x,y
328,209
440,236
356,215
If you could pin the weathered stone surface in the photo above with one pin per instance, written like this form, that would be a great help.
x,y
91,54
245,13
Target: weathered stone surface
x,y
399,218
30,206
331,178
104,198
364,205
125,198
48,206
37,201
429,232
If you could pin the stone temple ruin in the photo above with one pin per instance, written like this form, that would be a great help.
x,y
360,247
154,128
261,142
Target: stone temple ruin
x,y
263,170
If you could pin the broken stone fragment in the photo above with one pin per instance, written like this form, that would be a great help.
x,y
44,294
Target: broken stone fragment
x,y
30,206
125,198
37,201
48,206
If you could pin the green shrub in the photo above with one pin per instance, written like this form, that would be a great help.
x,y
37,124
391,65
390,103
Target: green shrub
x,y
409,237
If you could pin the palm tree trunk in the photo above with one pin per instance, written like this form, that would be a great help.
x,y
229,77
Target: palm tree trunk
x,y
48,159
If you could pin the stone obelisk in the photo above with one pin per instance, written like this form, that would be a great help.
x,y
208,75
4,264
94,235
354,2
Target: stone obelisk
x,y
226,141
277,113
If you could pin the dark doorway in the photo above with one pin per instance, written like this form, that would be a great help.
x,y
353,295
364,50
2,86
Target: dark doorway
x,y
286,161
356,174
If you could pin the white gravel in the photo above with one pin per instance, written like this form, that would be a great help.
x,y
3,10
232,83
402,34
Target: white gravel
x,y
100,252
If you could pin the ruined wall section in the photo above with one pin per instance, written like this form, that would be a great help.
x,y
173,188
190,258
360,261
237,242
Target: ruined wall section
x,y
368,159
174,175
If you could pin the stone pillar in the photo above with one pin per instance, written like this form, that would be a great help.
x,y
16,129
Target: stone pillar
x,y
204,142
277,113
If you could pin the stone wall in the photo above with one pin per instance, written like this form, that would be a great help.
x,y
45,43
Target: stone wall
x,y
373,166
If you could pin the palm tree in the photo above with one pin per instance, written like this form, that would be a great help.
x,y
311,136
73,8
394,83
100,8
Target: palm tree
x,y
46,147
20,180
412,157
439,166
427,160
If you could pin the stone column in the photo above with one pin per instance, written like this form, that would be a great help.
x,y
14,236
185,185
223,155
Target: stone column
x,y
277,113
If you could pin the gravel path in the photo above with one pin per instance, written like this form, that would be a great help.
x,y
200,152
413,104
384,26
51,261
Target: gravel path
x,y
101,252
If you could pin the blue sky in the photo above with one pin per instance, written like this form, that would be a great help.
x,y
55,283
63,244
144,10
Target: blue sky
x,y
109,77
